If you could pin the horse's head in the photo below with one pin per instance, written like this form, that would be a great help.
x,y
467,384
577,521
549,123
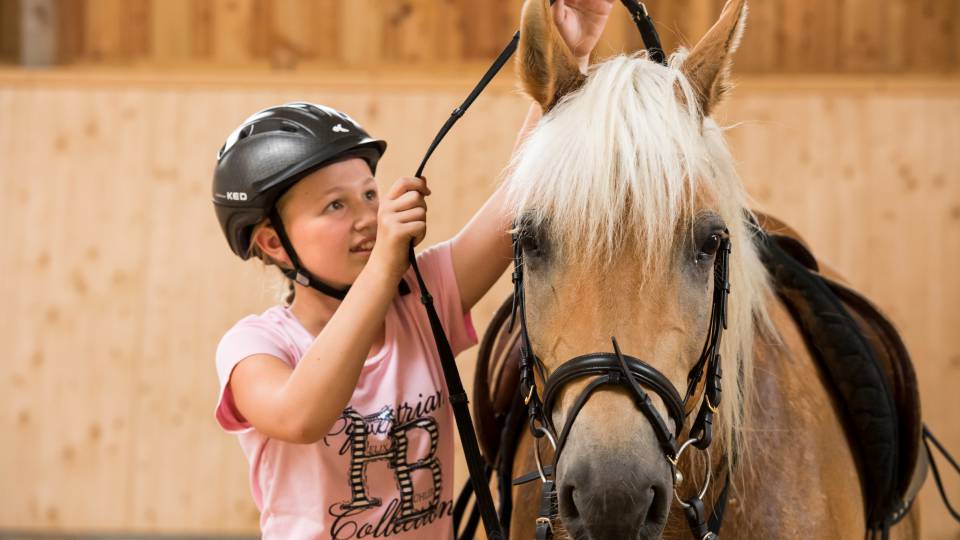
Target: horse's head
x,y
623,195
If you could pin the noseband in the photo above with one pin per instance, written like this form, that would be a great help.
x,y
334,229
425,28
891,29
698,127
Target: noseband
x,y
619,370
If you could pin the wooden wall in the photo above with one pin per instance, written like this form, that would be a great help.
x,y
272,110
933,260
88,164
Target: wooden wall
x,y
117,282
783,36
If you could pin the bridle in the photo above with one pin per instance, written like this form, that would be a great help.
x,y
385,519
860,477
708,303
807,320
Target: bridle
x,y
619,370
607,369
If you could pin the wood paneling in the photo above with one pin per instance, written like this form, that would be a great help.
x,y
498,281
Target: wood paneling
x,y
9,31
118,284
783,36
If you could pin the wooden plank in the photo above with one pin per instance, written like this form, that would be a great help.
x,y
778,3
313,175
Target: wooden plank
x,y
896,38
810,33
421,32
361,43
202,29
233,28
931,36
71,31
171,32
38,38
103,32
292,31
485,27
756,52
300,31
9,31
136,32
862,36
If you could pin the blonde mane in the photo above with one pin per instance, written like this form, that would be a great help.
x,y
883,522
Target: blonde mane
x,y
623,159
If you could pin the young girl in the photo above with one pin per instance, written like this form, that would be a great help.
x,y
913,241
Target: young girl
x,y
337,397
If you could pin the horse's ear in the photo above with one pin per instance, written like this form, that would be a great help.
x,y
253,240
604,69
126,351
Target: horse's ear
x,y
547,68
707,67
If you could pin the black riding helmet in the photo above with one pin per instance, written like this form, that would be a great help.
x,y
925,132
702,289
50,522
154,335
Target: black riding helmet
x,y
270,152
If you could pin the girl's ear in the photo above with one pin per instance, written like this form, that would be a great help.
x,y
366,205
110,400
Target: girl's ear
x,y
268,243
547,68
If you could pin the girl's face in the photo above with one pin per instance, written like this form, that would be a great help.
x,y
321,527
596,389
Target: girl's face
x,y
331,219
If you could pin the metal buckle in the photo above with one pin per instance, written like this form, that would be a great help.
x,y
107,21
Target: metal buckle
x,y
713,408
545,521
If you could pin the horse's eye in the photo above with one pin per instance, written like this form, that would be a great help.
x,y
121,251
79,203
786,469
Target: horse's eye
x,y
709,247
528,241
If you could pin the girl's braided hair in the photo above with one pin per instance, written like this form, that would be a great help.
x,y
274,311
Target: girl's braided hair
x,y
267,260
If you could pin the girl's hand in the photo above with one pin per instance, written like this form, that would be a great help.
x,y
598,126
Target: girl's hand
x,y
402,218
580,23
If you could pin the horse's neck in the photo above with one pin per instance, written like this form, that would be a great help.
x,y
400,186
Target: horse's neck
x,y
797,476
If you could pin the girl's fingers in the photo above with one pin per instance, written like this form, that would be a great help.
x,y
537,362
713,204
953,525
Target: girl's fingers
x,y
414,230
410,199
411,215
407,184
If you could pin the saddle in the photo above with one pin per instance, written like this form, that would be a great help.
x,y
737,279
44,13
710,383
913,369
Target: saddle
x,y
860,352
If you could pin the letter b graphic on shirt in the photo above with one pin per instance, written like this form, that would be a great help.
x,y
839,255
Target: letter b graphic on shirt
x,y
395,454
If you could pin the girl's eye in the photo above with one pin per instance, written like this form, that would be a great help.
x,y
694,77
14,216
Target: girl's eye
x,y
335,205
371,195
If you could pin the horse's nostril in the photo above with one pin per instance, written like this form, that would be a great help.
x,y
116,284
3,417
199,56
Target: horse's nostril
x,y
568,506
657,511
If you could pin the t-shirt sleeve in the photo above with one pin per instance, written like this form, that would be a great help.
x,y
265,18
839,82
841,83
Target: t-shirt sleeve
x,y
246,338
436,266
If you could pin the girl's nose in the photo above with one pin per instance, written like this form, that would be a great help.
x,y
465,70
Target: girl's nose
x,y
366,218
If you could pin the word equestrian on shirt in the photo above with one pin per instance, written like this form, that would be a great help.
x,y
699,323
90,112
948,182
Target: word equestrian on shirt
x,y
383,421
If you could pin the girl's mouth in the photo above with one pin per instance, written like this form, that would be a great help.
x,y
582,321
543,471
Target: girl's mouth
x,y
364,247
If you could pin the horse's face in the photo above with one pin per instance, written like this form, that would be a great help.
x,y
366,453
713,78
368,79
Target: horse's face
x,y
650,284
613,478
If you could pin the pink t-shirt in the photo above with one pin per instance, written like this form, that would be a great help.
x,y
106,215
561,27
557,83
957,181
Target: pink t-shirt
x,y
386,467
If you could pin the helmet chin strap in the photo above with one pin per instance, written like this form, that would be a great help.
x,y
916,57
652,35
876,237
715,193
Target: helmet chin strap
x,y
301,275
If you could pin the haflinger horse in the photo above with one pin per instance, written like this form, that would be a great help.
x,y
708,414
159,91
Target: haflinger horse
x,y
625,194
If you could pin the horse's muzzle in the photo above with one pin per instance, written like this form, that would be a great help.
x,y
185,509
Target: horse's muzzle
x,y
614,498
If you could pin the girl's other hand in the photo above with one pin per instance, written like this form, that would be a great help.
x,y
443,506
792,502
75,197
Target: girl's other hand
x,y
402,218
581,23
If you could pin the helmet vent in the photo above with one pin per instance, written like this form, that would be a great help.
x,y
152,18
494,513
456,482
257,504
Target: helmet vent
x,y
290,127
